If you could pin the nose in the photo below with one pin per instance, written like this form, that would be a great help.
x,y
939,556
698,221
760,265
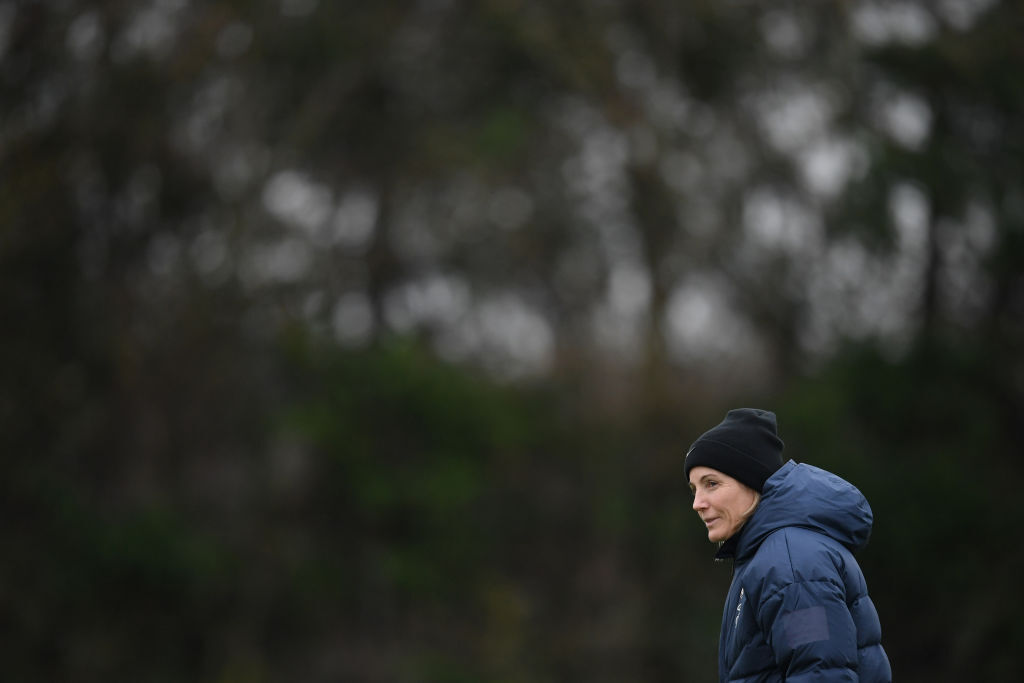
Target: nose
x,y
698,502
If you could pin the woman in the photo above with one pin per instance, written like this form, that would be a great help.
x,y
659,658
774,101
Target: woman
x,y
798,607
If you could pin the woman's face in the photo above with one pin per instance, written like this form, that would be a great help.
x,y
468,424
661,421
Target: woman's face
x,y
720,501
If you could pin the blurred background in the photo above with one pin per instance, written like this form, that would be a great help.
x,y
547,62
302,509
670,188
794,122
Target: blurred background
x,y
363,341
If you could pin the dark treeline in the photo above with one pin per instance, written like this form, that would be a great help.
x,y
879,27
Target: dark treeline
x,y
364,341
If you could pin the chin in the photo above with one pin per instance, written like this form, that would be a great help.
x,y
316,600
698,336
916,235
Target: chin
x,y
721,535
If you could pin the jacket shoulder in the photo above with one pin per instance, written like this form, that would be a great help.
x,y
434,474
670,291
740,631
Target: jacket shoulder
x,y
795,555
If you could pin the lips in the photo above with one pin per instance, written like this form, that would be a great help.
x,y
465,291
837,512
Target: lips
x,y
708,522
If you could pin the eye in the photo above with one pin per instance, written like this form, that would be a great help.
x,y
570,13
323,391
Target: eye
x,y
712,484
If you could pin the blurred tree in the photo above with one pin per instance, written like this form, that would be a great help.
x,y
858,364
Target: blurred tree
x,y
227,230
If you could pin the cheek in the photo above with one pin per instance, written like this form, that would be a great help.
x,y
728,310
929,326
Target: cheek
x,y
733,509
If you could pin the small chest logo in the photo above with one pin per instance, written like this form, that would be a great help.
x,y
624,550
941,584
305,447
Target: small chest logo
x,y
739,607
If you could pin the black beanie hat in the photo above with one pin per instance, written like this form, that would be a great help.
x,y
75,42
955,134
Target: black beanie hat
x,y
745,445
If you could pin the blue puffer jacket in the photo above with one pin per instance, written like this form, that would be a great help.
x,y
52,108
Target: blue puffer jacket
x,y
798,607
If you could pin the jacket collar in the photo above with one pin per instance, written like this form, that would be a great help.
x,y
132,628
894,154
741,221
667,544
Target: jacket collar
x,y
727,548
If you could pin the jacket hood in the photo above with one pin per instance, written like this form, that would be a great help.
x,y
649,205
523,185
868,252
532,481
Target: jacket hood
x,y
801,495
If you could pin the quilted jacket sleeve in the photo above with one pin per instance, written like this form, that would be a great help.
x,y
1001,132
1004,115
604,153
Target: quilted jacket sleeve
x,y
810,631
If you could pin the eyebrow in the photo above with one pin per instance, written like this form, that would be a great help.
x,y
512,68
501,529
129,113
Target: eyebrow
x,y
701,480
